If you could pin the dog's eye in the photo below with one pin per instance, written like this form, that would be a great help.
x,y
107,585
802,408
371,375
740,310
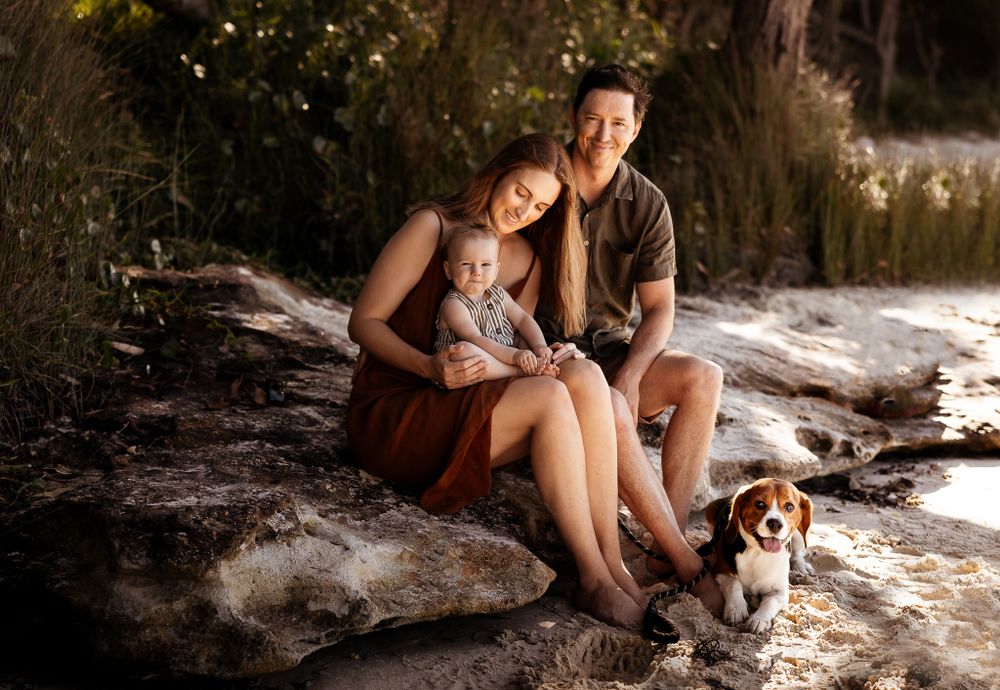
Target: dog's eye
x,y
789,507
760,505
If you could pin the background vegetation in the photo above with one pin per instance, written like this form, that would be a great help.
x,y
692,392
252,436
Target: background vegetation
x,y
67,151
298,131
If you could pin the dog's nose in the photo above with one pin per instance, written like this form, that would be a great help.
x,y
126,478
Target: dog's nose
x,y
774,525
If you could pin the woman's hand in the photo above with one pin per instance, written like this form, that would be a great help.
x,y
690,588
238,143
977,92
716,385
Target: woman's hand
x,y
449,371
564,352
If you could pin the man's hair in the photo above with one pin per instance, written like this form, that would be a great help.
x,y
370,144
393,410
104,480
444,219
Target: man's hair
x,y
462,232
615,78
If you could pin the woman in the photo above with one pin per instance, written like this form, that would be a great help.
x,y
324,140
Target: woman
x,y
417,418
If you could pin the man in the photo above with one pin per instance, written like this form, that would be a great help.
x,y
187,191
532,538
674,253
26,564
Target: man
x,y
628,233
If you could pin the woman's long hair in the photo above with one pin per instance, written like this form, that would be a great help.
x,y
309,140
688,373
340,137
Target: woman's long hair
x,y
555,236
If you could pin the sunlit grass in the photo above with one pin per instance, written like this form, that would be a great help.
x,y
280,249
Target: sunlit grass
x,y
766,186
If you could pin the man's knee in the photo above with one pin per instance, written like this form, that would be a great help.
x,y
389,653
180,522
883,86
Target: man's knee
x,y
692,375
709,375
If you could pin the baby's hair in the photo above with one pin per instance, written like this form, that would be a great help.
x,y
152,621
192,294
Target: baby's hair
x,y
463,232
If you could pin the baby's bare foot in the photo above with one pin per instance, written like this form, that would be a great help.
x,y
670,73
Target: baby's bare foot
x,y
549,370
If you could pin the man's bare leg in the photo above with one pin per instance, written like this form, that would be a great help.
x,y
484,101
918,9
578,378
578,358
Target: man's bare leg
x,y
693,386
641,491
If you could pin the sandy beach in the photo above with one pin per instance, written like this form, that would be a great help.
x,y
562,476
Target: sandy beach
x,y
906,595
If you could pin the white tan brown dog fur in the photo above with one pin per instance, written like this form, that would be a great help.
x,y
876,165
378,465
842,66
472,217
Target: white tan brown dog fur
x,y
760,535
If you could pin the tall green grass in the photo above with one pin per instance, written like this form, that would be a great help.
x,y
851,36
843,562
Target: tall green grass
x,y
61,137
766,186
910,220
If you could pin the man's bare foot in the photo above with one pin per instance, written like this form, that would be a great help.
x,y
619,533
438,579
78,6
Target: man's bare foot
x,y
659,568
707,589
711,596
611,605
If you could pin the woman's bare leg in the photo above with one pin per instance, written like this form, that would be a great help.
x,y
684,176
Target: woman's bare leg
x,y
536,415
592,402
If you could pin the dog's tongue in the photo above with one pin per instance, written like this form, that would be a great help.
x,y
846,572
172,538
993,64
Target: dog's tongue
x,y
771,544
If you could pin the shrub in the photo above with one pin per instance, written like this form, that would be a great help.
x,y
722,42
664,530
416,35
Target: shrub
x,y
302,130
741,151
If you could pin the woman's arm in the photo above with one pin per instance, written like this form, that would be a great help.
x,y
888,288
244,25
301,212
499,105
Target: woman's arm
x,y
396,271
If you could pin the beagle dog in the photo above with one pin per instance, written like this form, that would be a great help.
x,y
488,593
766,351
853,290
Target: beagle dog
x,y
759,535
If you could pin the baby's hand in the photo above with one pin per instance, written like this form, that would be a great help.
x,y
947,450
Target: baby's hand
x,y
544,354
527,361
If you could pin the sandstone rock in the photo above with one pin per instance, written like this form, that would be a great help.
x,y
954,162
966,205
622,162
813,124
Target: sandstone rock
x,y
819,381
205,521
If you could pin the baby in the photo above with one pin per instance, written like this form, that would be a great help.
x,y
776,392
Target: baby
x,y
478,312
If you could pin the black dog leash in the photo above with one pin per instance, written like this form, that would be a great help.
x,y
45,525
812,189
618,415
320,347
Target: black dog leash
x,y
655,625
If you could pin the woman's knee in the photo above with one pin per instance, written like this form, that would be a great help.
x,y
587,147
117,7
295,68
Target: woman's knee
x,y
543,396
583,376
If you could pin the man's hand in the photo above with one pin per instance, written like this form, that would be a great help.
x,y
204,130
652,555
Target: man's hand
x,y
527,361
449,370
564,352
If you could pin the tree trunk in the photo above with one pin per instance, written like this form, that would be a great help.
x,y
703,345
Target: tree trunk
x,y
773,31
829,41
885,42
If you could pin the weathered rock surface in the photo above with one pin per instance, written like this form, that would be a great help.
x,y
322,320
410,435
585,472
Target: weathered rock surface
x,y
204,521
818,381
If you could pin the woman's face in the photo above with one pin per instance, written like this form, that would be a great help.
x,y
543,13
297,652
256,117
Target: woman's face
x,y
521,197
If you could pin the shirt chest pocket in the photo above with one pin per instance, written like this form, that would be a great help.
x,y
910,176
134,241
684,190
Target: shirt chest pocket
x,y
614,266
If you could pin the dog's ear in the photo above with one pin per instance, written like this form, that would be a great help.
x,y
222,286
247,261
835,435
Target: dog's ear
x,y
806,508
732,519
713,513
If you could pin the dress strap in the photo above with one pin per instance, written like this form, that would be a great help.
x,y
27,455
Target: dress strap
x,y
440,225
531,266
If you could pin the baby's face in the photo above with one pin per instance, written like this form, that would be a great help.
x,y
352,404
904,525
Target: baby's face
x,y
472,265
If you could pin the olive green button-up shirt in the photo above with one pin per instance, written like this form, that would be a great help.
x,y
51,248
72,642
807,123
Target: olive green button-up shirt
x,y
629,237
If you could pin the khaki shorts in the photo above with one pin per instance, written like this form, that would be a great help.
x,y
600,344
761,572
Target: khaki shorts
x,y
610,366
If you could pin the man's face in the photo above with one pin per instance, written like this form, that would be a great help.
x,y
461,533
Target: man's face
x,y
605,126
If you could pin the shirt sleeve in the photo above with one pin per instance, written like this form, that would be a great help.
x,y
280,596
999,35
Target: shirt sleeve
x,y
657,255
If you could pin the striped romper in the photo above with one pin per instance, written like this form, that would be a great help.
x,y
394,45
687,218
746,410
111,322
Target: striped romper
x,y
489,316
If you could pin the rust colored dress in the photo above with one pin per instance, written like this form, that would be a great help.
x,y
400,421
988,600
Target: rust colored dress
x,y
402,427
